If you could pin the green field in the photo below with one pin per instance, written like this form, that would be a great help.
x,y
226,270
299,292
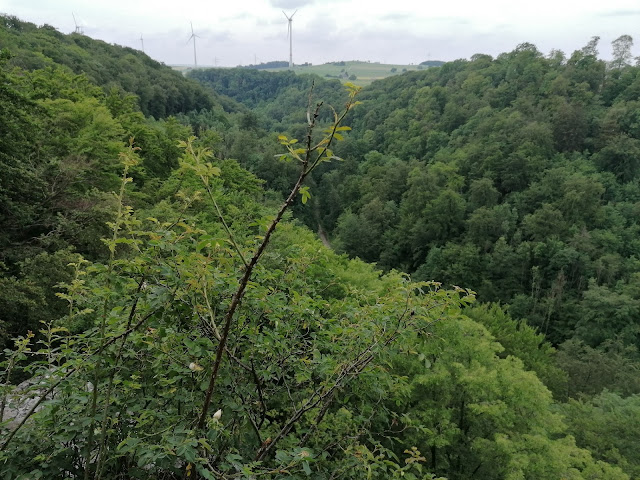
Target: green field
x,y
365,72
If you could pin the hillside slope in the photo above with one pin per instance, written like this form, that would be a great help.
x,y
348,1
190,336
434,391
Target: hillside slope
x,y
160,90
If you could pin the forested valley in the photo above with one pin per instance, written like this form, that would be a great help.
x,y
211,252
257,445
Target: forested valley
x,y
245,274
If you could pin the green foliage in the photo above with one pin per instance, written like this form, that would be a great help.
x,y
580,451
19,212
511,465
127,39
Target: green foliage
x,y
185,326
59,158
152,321
159,90
483,416
613,366
607,425
515,176
19,186
520,340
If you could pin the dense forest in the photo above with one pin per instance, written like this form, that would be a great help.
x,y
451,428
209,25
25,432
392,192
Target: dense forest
x,y
160,91
168,311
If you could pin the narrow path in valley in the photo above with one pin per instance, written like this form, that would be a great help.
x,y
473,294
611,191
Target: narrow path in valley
x,y
323,236
321,233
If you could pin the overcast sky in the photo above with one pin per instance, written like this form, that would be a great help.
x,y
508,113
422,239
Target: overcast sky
x,y
235,32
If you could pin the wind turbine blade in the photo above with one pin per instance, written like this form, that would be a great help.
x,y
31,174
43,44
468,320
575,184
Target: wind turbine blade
x,y
294,13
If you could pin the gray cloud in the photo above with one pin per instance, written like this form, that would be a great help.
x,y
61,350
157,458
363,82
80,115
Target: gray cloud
x,y
621,13
291,4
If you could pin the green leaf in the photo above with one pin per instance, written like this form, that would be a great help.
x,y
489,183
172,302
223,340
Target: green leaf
x,y
306,195
206,474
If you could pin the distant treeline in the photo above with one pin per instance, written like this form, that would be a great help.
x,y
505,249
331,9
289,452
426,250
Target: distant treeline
x,y
273,64
432,63
266,65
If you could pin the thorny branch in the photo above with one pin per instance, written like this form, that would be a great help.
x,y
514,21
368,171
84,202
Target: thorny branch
x,y
306,168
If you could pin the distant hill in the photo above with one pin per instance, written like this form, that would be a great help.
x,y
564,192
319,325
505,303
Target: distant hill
x,y
358,72
161,91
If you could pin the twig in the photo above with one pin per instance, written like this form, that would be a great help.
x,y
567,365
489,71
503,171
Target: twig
x,y
263,407
237,296
205,182
317,420
357,365
362,360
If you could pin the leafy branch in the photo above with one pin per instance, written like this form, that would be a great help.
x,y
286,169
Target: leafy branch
x,y
309,157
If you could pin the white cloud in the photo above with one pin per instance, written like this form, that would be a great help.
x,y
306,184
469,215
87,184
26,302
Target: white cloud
x,y
237,32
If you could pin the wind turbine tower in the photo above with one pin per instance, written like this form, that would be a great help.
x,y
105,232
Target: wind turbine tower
x,y
193,36
142,43
290,35
78,27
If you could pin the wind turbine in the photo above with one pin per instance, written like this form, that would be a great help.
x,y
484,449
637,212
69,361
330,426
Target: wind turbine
x,y
142,43
78,27
290,35
193,36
